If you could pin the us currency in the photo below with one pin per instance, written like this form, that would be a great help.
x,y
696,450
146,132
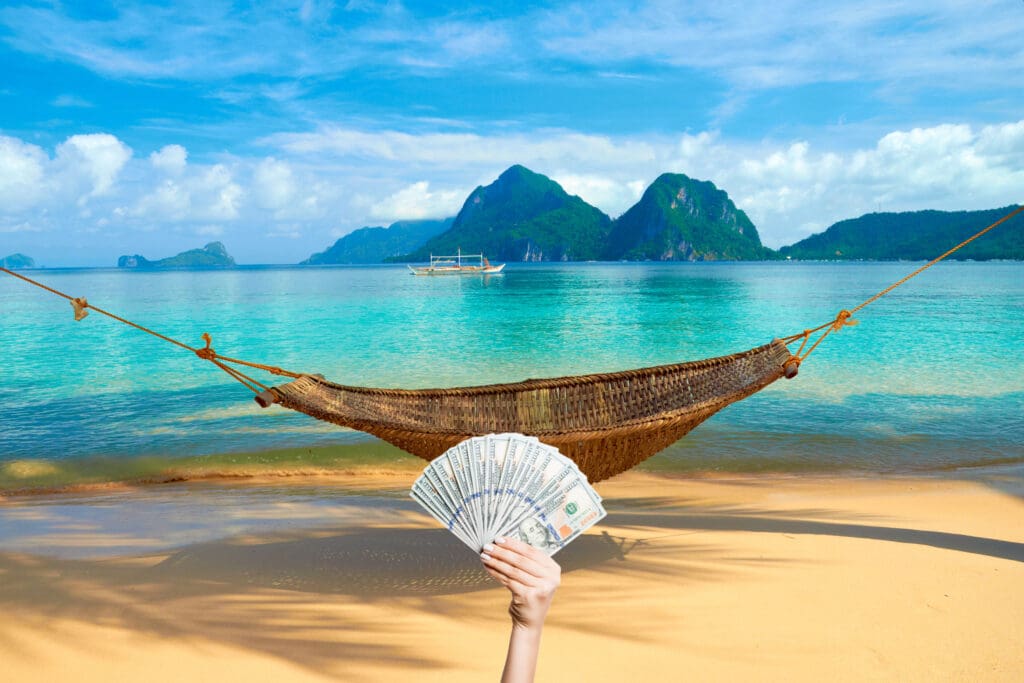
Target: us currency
x,y
508,484
563,516
428,497
443,477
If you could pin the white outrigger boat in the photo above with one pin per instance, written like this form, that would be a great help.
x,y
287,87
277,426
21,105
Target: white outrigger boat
x,y
454,265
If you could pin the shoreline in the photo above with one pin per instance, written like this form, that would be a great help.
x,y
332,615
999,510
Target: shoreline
x,y
28,477
752,577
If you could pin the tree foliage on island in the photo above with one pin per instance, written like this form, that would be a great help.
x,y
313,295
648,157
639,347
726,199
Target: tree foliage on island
x,y
914,236
522,216
377,244
525,216
682,219
213,255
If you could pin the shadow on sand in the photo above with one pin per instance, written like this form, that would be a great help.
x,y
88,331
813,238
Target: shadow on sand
x,y
379,562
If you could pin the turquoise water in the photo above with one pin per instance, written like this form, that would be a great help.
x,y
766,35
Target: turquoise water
x,y
932,378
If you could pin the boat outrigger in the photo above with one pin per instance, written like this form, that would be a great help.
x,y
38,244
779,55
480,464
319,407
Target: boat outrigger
x,y
456,265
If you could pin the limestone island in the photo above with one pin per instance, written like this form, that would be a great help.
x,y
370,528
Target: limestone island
x,y
213,255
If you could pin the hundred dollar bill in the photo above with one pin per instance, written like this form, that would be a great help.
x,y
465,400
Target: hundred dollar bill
x,y
432,489
430,503
427,495
471,490
506,452
508,484
554,523
442,475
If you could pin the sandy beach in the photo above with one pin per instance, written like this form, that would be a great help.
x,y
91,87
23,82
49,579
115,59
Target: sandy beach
x,y
313,579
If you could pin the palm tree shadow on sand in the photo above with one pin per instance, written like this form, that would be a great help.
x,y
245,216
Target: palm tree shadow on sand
x,y
377,562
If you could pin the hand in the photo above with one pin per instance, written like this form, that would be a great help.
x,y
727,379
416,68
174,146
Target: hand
x,y
529,574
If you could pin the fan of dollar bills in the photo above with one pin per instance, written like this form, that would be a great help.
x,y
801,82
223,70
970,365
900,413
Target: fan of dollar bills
x,y
508,485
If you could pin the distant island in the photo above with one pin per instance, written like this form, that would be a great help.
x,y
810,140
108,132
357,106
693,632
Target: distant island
x,y
682,219
213,255
374,245
17,261
914,236
526,216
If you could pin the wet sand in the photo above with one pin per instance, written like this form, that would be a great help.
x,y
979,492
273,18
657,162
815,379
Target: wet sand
x,y
729,578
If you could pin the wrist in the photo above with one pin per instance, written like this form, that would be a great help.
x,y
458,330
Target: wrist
x,y
527,629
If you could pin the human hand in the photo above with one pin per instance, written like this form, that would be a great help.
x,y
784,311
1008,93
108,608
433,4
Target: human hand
x,y
529,574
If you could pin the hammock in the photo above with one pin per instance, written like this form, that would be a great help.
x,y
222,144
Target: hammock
x,y
606,423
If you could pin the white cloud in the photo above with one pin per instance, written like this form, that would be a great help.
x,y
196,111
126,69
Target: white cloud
x,y
417,201
274,184
601,190
465,148
790,43
22,168
222,194
317,186
170,158
95,159
168,202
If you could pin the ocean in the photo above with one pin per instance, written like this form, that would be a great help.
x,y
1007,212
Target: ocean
x,y
931,379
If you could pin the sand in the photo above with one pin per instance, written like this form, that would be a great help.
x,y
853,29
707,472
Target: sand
x,y
730,578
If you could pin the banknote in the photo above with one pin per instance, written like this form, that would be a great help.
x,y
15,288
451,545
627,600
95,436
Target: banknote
x,y
508,485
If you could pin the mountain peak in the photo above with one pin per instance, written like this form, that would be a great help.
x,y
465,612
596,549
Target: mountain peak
x,y
523,216
682,219
217,249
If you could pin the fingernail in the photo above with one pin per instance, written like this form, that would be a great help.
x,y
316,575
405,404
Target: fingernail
x,y
485,557
499,539
488,547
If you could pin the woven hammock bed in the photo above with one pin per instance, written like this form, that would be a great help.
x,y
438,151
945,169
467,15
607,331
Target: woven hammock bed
x,y
606,423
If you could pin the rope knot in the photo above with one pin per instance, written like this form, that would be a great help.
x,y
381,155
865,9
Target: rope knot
x,y
80,304
207,353
843,320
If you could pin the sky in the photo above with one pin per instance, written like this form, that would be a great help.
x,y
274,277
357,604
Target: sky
x,y
278,127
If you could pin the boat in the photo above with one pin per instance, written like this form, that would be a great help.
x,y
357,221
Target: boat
x,y
458,265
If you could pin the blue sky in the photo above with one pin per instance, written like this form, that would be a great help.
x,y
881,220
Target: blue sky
x,y
276,128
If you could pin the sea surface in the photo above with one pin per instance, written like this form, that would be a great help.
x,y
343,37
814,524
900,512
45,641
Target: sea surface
x,y
931,379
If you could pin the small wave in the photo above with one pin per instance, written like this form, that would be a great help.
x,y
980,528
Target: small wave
x,y
34,476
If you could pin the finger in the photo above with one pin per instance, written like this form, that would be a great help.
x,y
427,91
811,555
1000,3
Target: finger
x,y
543,565
508,570
515,559
521,547
497,576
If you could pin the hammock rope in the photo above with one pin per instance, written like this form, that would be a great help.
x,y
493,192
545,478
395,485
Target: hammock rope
x,y
845,317
81,308
605,422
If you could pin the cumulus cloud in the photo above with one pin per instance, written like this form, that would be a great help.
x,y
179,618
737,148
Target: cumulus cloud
x,y
601,191
171,159
418,201
21,174
221,195
274,184
322,184
95,160
168,202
